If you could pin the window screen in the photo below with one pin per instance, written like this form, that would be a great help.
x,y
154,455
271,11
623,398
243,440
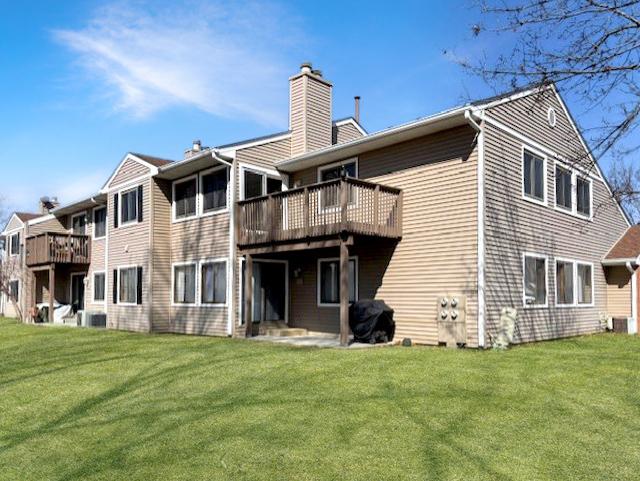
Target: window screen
x,y
583,194
533,176
564,283
585,284
128,278
184,284
214,190
214,283
185,198
563,188
330,281
129,206
535,281
99,286
100,222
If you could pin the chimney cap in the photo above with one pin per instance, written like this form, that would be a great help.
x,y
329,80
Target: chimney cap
x,y
306,67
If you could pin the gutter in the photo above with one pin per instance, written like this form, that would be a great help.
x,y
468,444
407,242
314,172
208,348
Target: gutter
x,y
212,152
469,116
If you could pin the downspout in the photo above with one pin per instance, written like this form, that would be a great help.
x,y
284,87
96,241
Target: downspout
x,y
469,116
232,264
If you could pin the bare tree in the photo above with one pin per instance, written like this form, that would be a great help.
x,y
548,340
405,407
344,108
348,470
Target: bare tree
x,y
589,49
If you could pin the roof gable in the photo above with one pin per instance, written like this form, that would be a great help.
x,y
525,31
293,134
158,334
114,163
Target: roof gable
x,y
131,167
13,223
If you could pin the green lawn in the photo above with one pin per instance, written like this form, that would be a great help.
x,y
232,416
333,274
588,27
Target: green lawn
x,y
80,404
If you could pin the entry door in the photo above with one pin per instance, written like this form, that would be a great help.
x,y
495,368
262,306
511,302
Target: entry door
x,y
270,291
77,291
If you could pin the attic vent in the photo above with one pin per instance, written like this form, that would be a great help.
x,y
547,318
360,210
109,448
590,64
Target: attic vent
x,y
551,116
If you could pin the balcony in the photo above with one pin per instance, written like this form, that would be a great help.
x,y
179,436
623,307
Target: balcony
x,y
323,210
54,248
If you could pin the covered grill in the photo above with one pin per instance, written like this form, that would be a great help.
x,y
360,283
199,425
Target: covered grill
x,y
371,321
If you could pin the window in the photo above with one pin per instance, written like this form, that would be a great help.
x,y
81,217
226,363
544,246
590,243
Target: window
x,y
129,206
533,177
128,285
551,117
184,198
99,286
535,280
583,196
14,244
213,185
585,284
79,224
14,290
257,184
346,169
330,198
184,284
563,188
213,282
329,281
564,283
99,222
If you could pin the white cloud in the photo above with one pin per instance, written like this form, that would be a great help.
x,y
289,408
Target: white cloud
x,y
227,59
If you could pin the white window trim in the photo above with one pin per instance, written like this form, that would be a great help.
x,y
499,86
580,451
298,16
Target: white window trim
x,y
93,287
10,250
546,280
120,269
93,222
79,214
593,287
544,158
319,284
200,202
575,173
173,281
183,180
119,213
274,174
199,281
578,213
575,264
322,168
350,160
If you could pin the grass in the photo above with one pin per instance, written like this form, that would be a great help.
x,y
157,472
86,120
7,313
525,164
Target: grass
x,y
80,404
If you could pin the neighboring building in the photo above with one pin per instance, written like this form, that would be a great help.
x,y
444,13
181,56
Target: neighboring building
x,y
495,204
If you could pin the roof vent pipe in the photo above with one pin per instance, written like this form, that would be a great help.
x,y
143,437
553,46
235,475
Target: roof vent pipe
x,y
357,108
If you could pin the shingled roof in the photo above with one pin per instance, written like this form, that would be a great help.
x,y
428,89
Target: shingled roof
x,y
628,247
156,161
26,216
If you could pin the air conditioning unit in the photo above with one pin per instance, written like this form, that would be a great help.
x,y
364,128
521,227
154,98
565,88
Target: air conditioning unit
x,y
94,319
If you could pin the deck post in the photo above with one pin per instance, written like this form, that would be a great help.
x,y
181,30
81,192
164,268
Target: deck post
x,y
248,294
52,287
344,293
344,201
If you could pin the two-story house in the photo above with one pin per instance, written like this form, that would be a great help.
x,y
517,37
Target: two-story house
x,y
448,219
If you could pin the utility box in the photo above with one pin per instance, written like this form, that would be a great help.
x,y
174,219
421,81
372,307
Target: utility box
x,y
452,320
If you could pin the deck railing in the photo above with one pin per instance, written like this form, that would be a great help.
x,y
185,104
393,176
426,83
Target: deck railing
x,y
318,210
53,248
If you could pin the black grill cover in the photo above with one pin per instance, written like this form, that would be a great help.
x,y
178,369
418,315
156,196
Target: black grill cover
x,y
371,321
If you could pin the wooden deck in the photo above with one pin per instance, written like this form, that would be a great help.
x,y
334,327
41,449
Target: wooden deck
x,y
55,248
323,210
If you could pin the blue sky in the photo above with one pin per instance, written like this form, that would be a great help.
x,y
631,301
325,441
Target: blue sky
x,y
88,81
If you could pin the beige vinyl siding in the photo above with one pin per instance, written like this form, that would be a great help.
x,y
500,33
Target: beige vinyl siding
x,y
318,114
195,240
57,224
515,226
130,170
14,223
130,246
619,294
528,116
310,114
438,251
345,133
161,268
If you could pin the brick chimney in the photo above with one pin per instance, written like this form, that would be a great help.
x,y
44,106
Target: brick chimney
x,y
309,110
